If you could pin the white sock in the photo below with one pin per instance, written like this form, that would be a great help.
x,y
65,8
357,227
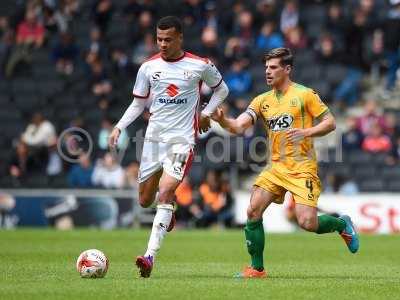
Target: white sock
x,y
161,222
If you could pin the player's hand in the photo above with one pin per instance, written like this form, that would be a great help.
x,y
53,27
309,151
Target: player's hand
x,y
204,124
297,134
218,115
113,138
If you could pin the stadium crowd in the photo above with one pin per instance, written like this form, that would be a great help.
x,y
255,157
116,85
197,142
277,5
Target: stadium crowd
x,y
72,63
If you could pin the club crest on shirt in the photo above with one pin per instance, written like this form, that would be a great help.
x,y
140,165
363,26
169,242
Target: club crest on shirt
x,y
187,75
294,102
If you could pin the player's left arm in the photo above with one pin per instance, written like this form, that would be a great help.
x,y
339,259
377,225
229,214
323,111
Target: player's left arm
x,y
319,111
213,78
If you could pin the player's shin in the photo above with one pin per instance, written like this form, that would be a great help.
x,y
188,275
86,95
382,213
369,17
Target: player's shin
x,y
255,241
161,222
328,223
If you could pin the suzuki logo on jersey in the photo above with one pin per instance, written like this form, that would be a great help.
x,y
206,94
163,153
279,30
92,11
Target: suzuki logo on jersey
x,y
280,123
172,90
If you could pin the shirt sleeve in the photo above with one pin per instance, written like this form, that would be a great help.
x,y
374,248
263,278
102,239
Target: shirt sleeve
x,y
211,76
314,104
254,109
142,84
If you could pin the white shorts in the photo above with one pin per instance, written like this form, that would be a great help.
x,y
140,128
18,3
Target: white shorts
x,y
174,159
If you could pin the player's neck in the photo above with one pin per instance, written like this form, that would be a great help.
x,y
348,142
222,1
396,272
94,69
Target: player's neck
x,y
176,56
283,87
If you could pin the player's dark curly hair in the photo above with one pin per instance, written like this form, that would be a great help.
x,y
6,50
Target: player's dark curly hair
x,y
170,22
284,54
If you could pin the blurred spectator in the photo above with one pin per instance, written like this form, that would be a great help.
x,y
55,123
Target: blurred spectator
x,y
95,48
100,83
269,38
70,8
30,34
238,79
243,28
64,54
80,175
39,133
392,128
375,56
209,45
6,46
108,173
327,53
144,49
336,23
348,91
53,19
122,66
236,50
106,128
145,23
54,164
370,117
216,200
295,38
21,163
352,138
193,14
186,210
392,43
102,13
393,157
289,16
336,183
131,177
211,17
376,141
266,11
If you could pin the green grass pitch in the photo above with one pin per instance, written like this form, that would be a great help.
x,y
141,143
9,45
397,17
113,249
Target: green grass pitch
x,y
40,264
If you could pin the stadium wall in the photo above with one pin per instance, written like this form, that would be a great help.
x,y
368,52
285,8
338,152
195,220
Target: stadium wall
x,y
372,213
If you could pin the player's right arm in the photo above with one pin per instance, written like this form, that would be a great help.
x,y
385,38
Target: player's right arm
x,y
245,120
236,126
141,92
131,114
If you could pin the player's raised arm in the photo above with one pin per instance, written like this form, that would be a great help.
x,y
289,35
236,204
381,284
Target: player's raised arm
x,y
235,126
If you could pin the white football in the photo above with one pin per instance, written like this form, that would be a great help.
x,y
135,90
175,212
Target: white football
x,y
92,264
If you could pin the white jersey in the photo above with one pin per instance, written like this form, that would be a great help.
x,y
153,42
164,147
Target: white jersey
x,y
174,88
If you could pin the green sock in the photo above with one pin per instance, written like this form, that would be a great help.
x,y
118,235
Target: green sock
x,y
255,241
328,223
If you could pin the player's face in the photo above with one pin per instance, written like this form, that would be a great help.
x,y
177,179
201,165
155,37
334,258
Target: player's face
x,y
275,73
169,43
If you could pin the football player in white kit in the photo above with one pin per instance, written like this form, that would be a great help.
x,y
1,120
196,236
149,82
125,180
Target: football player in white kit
x,y
171,80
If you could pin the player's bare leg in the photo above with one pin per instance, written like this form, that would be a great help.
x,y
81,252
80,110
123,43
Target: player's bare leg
x,y
161,223
308,219
148,189
254,231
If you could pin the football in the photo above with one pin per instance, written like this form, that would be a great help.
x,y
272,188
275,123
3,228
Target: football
x,y
92,264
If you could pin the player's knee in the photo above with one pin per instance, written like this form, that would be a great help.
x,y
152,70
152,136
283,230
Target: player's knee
x,y
307,223
145,200
166,195
253,213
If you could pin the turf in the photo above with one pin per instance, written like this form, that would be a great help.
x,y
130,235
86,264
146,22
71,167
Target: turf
x,y
40,264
